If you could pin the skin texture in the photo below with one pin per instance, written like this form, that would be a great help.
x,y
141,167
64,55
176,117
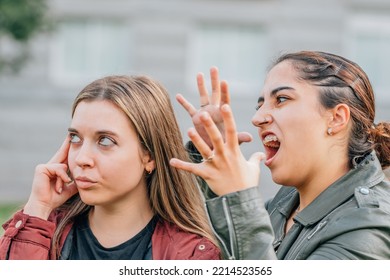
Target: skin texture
x,y
107,165
308,157
214,134
51,186
105,156
293,113
211,104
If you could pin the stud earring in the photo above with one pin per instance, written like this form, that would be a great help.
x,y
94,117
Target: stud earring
x,y
329,131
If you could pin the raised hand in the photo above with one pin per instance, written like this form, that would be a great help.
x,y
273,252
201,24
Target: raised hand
x,y
51,185
225,169
211,104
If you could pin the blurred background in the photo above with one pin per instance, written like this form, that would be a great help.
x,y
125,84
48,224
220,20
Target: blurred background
x,y
51,49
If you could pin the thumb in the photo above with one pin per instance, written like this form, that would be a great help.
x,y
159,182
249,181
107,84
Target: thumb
x,y
244,137
256,158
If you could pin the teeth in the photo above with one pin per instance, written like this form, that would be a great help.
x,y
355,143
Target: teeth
x,y
271,138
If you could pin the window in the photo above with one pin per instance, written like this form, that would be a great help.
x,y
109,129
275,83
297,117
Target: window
x,y
240,53
87,49
368,43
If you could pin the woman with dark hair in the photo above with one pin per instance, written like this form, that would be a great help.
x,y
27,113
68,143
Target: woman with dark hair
x,y
315,117
109,192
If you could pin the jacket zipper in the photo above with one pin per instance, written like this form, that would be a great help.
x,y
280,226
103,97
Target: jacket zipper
x,y
229,223
218,237
320,225
308,237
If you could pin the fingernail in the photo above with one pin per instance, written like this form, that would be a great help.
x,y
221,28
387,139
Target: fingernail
x,y
191,131
225,108
204,116
60,190
69,182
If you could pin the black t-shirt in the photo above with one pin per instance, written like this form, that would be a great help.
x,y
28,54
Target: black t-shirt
x,y
85,246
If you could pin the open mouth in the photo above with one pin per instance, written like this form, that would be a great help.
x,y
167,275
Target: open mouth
x,y
271,145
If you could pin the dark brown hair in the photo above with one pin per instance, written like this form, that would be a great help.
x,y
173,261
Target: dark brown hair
x,y
343,81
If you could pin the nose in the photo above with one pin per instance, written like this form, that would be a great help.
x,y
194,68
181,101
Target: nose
x,y
84,156
261,118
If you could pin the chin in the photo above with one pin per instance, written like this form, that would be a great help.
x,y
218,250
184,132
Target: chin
x,y
280,178
91,201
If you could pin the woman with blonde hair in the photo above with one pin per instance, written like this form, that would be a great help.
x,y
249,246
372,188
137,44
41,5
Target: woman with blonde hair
x,y
109,192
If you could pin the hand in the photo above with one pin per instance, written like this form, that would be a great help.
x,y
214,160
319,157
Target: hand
x,y
219,96
225,169
51,185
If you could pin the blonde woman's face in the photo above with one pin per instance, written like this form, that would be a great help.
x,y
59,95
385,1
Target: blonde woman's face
x,y
292,126
105,156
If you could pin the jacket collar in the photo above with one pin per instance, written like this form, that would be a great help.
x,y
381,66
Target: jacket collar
x,y
366,174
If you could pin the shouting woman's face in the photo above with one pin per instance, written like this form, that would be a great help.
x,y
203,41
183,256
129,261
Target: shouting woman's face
x,y
292,126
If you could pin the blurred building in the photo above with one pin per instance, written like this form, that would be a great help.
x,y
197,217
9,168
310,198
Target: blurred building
x,y
172,40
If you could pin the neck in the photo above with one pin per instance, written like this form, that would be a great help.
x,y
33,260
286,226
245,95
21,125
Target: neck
x,y
116,224
315,185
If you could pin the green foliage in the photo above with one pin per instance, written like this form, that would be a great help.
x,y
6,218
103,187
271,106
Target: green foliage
x,y
6,211
20,20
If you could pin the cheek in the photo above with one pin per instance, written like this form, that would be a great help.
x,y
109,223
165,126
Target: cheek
x,y
124,176
123,167
297,132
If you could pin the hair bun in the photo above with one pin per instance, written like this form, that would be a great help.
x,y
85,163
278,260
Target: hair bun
x,y
380,134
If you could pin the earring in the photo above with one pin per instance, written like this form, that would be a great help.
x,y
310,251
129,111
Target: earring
x,y
329,131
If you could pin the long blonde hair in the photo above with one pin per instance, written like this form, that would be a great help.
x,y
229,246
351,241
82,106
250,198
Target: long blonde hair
x,y
173,194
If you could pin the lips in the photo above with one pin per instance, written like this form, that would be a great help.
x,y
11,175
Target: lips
x,y
271,144
84,182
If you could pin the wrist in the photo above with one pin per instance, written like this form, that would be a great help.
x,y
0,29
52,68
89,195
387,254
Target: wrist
x,y
39,211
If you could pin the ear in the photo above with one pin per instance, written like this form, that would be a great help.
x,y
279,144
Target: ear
x,y
149,163
339,118
150,166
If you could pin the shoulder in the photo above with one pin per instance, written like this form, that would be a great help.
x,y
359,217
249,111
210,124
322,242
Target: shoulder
x,y
357,229
368,208
171,242
362,222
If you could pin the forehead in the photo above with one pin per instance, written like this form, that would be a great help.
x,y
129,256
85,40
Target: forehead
x,y
283,72
98,115
284,76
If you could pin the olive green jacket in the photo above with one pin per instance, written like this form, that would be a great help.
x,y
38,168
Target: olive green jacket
x,y
348,220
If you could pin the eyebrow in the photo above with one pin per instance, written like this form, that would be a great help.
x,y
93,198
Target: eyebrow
x,y
99,132
274,92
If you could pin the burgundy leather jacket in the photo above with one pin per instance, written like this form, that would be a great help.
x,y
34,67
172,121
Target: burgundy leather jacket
x,y
29,238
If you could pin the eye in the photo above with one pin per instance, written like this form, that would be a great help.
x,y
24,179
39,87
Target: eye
x,y
106,141
259,106
281,99
74,138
